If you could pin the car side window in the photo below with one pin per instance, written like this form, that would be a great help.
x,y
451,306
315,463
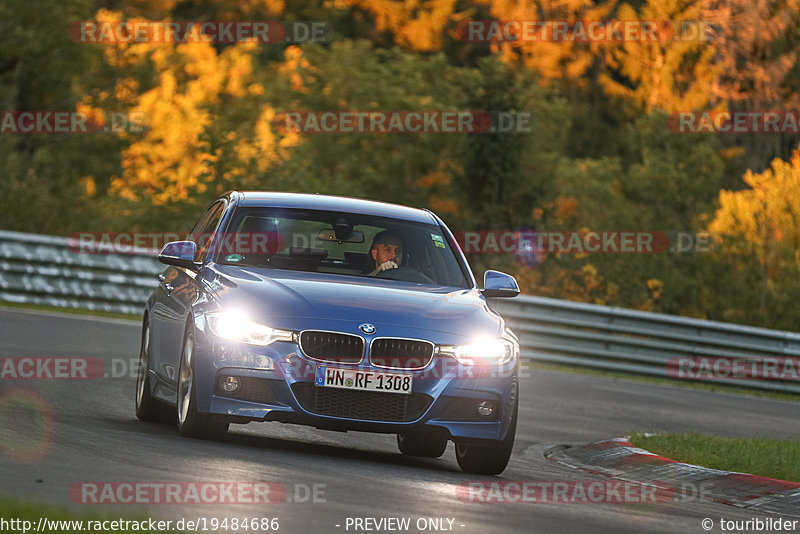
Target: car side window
x,y
203,231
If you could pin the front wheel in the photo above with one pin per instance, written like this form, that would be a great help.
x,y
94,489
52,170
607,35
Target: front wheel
x,y
190,422
422,443
488,458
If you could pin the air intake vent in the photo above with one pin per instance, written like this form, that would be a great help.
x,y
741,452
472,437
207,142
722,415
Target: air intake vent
x,y
365,405
251,389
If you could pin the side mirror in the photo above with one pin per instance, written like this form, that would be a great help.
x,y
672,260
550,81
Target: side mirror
x,y
497,284
180,254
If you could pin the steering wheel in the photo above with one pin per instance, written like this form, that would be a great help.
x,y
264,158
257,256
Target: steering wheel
x,y
405,274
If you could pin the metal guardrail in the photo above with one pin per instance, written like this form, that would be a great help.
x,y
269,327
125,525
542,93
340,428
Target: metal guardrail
x,y
41,269
631,341
38,269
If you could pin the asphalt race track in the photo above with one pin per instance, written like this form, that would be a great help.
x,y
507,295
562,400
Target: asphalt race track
x,y
98,438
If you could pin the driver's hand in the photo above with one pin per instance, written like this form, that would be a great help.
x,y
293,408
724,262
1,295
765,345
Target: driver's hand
x,y
385,266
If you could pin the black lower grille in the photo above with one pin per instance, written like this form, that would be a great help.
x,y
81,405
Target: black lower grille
x,y
331,346
400,353
365,405
466,409
252,389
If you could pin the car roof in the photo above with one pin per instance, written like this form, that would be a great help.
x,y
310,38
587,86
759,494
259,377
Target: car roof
x,y
332,203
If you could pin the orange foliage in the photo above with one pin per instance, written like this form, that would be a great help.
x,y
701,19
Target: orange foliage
x,y
437,181
764,222
443,205
293,67
195,87
674,75
669,74
417,24
584,284
422,24
754,69
766,214
566,207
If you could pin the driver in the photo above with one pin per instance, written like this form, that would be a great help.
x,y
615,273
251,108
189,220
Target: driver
x,y
386,251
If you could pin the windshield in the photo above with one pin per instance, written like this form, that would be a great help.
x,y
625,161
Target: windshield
x,y
340,243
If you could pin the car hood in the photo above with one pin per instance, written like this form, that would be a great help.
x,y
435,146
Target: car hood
x,y
300,300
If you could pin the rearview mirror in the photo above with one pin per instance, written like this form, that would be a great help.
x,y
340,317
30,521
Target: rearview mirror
x,y
330,235
180,254
498,285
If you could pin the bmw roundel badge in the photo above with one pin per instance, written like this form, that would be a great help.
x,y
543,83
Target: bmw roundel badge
x,y
367,328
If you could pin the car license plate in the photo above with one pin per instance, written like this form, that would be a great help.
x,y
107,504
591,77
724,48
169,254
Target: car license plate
x,y
360,379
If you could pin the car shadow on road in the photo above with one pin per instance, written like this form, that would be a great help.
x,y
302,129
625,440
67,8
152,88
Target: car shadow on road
x,y
244,445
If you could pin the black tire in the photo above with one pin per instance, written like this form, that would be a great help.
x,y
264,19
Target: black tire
x,y
422,443
190,422
147,407
488,458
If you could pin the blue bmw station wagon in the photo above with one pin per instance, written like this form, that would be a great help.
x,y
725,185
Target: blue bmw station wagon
x,y
338,313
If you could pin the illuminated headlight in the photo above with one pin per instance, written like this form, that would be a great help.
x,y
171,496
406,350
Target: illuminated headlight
x,y
237,328
484,351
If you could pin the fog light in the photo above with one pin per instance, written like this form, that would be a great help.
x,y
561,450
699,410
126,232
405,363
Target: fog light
x,y
486,408
230,384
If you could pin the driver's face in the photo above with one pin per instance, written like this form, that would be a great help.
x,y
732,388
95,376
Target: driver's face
x,y
388,251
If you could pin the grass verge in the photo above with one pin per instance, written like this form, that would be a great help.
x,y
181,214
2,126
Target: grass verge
x,y
772,458
27,515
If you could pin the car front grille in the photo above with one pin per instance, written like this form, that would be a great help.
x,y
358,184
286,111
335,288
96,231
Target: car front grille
x,y
365,405
393,353
332,346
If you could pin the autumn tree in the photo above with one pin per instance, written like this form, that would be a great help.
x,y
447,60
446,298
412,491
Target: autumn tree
x,y
42,175
757,45
669,185
671,73
759,229
411,168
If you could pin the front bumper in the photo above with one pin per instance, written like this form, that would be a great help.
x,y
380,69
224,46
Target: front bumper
x,y
278,385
